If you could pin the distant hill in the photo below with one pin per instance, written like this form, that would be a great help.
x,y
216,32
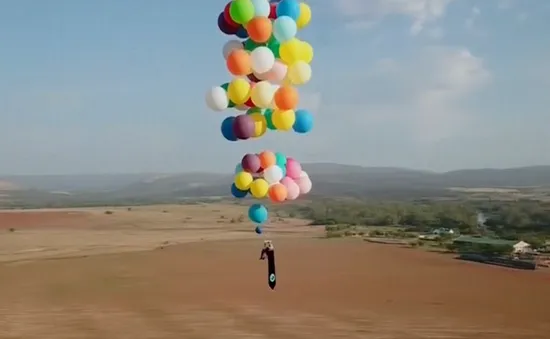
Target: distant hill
x,y
329,179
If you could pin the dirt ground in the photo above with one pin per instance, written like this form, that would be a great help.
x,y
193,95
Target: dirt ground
x,y
210,284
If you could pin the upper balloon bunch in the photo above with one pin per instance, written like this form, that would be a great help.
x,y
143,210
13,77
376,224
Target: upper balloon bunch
x,y
267,65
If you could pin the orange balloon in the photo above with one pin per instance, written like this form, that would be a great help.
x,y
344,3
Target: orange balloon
x,y
259,29
238,62
267,159
286,98
277,192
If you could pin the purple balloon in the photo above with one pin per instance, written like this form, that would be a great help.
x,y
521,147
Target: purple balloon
x,y
251,163
243,126
225,27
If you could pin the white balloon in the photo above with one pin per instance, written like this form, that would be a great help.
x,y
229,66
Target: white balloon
x,y
305,185
216,99
304,174
262,94
262,59
273,174
230,46
261,8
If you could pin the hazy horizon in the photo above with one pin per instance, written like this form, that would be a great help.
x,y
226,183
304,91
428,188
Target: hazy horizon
x,y
117,86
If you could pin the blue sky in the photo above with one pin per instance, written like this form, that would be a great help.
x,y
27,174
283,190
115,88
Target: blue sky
x,y
118,85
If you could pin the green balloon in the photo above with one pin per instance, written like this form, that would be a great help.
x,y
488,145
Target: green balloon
x,y
231,103
274,46
267,114
250,45
254,110
241,11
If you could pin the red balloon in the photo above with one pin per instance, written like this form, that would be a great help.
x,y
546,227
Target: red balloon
x,y
273,11
249,103
253,78
227,16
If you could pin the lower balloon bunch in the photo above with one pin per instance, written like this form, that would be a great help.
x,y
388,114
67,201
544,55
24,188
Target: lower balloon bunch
x,y
269,175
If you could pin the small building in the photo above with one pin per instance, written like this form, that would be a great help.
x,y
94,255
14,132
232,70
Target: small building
x,y
522,247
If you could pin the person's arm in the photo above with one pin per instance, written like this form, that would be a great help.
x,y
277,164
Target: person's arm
x,y
262,255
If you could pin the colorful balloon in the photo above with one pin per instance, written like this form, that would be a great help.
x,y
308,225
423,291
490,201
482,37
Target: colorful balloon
x,y
267,159
216,99
299,73
225,27
273,174
241,11
243,180
251,163
259,29
242,33
305,16
243,127
277,192
304,183
286,97
283,120
262,94
292,189
259,188
231,45
261,8
276,74
258,230
262,59
304,122
257,213
284,28
239,62
238,91
289,8
260,124
237,193
227,129
227,16
268,114
290,51
293,169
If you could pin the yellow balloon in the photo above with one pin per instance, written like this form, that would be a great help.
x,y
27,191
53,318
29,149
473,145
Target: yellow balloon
x,y
260,124
306,52
289,51
262,94
283,120
238,91
305,16
243,180
299,73
259,188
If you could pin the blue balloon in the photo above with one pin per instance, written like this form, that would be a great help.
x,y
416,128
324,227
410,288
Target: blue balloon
x,y
242,33
261,8
304,121
289,8
238,168
237,193
284,28
227,129
258,230
257,213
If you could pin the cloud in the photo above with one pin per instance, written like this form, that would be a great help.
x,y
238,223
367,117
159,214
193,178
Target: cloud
x,y
422,96
475,12
422,12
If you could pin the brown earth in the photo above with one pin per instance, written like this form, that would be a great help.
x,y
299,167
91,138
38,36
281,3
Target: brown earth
x,y
212,285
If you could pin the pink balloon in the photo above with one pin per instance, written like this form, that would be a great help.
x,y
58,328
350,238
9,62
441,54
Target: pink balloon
x,y
277,73
293,191
304,184
293,168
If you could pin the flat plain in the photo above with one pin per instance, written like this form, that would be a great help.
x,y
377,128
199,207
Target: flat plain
x,y
192,271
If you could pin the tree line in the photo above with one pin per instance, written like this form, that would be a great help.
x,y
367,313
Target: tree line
x,y
506,220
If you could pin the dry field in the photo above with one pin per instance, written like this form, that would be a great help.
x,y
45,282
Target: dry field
x,y
86,274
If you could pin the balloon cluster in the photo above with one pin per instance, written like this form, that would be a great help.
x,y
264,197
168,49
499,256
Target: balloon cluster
x,y
267,67
267,62
269,175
